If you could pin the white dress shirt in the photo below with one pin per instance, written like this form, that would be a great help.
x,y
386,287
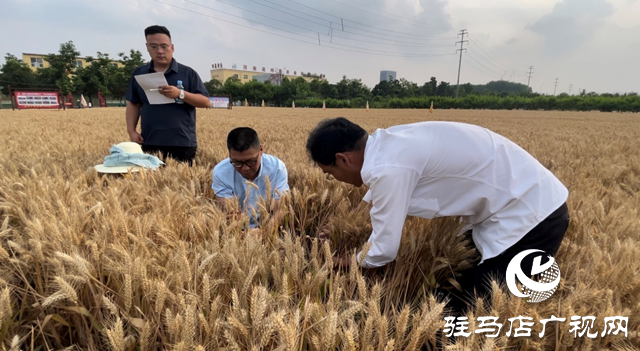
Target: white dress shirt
x,y
437,169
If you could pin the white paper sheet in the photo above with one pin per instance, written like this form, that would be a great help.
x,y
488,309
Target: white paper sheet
x,y
149,83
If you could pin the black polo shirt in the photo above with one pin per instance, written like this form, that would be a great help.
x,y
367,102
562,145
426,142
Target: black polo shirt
x,y
168,124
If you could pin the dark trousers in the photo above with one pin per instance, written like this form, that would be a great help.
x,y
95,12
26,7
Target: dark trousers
x,y
546,236
179,153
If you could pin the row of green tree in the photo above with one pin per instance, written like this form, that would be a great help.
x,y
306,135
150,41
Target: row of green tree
x,y
564,102
346,89
352,93
103,74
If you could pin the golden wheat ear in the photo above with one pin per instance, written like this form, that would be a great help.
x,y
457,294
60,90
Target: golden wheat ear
x,y
147,261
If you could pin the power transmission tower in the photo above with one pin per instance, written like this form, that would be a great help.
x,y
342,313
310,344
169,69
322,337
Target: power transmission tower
x,y
555,86
530,73
462,41
570,86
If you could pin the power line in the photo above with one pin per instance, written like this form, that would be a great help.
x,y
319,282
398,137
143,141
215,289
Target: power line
x,y
429,26
247,10
488,61
381,53
394,43
405,35
482,48
241,25
480,63
473,44
462,41
483,52
395,36
394,40
413,36
273,8
319,42
479,69
289,23
408,54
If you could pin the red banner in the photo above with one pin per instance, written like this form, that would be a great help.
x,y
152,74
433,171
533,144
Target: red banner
x,y
35,99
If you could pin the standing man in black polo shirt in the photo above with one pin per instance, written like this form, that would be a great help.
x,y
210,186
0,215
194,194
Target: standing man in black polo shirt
x,y
168,128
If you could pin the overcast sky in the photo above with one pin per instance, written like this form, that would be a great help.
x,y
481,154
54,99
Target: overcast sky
x,y
585,44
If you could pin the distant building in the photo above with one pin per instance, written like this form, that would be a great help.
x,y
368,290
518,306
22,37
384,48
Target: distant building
x,y
273,78
388,75
36,61
261,74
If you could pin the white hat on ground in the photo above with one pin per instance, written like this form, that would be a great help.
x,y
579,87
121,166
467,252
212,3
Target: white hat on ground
x,y
127,157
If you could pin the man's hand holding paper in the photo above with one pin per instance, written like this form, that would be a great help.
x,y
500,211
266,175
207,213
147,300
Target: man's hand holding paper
x,y
153,85
169,91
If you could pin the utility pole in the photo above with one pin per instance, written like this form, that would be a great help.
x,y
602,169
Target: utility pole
x,y
462,41
530,73
555,86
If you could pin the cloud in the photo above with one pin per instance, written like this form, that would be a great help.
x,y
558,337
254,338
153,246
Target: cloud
x,y
571,24
627,13
567,39
370,26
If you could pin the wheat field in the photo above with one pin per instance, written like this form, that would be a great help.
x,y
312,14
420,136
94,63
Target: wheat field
x,y
147,261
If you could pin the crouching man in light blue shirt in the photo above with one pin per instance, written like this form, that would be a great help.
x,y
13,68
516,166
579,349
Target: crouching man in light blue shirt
x,y
247,164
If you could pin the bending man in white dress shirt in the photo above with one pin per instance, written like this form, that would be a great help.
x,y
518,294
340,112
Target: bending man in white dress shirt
x,y
247,163
435,169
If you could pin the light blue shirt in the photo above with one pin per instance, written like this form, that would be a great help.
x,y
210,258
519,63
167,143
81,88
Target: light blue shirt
x,y
229,183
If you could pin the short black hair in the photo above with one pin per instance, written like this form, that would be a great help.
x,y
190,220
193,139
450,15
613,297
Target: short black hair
x,y
155,29
332,136
242,138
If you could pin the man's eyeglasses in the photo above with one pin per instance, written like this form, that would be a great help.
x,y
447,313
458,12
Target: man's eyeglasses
x,y
154,47
249,163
